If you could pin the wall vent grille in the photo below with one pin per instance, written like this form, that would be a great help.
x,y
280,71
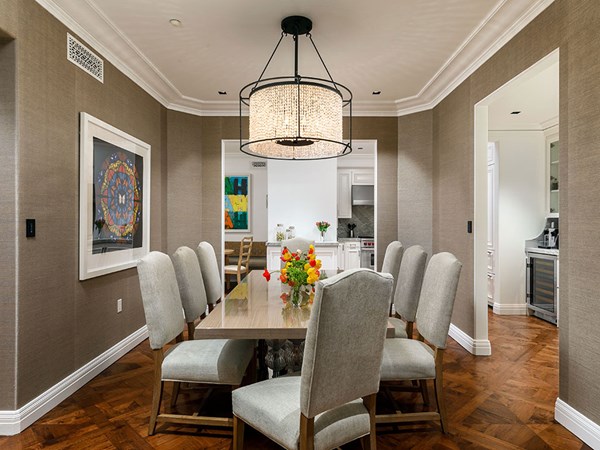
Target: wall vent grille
x,y
259,164
84,58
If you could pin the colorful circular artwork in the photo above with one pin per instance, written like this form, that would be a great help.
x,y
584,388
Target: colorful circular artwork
x,y
120,195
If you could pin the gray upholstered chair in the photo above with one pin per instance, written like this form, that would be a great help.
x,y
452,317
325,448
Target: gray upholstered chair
x,y
218,361
297,243
209,266
191,287
415,359
392,259
408,290
322,408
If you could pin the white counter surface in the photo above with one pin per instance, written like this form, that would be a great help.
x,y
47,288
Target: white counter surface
x,y
317,244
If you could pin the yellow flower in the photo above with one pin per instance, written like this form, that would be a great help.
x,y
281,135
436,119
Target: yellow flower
x,y
318,266
306,266
283,271
289,264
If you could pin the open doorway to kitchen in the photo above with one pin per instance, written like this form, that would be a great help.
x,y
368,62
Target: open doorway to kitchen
x,y
516,188
284,196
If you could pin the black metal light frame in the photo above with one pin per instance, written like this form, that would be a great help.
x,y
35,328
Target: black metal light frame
x,y
296,26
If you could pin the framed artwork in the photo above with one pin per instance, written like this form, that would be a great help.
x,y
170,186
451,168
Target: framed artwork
x,y
237,203
114,198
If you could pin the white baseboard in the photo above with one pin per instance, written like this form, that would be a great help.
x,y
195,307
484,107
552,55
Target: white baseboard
x,y
478,347
577,423
13,422
512,309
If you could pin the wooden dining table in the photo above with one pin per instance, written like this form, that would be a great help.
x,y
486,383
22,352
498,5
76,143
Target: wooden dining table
x,y
254,309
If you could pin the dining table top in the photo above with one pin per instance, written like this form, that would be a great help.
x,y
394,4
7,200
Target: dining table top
x,y
255,309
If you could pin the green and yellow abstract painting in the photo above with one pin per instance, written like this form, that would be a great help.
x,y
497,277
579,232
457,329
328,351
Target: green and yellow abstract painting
x,y
237,199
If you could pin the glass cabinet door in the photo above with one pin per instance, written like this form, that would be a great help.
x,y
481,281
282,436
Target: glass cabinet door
x,y
553,153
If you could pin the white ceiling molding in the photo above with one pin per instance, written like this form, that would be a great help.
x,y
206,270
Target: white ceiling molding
x,y
501,24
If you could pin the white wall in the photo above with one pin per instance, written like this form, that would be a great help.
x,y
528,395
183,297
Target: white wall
x,y
302,193
521,207
238,163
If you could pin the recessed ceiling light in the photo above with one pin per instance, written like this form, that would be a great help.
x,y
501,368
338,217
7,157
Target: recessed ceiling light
x,y
516,112
376,92
222,92
360,148
175,22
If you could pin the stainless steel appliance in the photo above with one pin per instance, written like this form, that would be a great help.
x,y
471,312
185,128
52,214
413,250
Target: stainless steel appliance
x,y
542,287
367,252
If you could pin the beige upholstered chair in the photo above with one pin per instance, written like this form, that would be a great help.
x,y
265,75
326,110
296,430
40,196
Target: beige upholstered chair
x,y
408,290
209,266
391,261
221,361
241,268
322,408
415,359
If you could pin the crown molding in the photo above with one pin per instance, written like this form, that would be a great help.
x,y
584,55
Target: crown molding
x,y
87,21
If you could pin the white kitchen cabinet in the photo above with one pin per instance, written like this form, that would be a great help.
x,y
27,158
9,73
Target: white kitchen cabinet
x,y
327,252
344,194
351,255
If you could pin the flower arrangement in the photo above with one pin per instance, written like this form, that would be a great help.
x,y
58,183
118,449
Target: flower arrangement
x,y
300,272
322,227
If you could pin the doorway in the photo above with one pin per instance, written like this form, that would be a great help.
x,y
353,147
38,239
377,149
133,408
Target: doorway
x,y
513,127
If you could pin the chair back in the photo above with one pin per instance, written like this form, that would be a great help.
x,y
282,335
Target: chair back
x,y
297,244
410,281
160,297
245,251
210,272
437,298
190,282
392,259
344,341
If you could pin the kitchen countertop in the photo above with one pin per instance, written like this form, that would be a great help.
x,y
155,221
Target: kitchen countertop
x,y
317,244
354,239
543,251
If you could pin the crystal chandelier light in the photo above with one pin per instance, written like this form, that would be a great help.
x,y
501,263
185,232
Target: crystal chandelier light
x,y
295,117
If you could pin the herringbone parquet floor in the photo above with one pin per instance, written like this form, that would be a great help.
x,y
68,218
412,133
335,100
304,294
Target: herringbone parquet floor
x,y
505,401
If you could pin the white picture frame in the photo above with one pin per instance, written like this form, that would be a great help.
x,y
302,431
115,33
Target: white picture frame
x,y
114,199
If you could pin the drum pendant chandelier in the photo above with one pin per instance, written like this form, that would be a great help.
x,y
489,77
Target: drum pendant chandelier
x,y
296,117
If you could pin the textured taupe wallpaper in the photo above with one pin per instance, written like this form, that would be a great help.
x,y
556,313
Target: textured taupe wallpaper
x,y
184,180
572,26
415,183
64,323
385,131
7,224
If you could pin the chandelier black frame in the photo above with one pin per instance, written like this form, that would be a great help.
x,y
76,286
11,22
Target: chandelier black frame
x,y
296,26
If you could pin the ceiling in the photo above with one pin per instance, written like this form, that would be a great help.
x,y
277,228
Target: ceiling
x,y
534,95
413,51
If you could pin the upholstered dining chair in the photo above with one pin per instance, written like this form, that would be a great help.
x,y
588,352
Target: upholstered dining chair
x,y
241,268
191,287
217,362
392,259
298,243
333,400
408,290
209,266
421,358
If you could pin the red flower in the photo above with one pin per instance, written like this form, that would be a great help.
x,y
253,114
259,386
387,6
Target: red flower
x,y
283,278
297,258
267,275
313,262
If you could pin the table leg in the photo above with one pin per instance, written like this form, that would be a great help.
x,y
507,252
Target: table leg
x,y
262,372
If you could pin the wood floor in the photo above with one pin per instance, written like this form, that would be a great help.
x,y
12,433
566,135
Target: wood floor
x,y
505,401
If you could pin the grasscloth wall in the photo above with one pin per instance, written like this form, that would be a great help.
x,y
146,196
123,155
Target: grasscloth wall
x,y
64,323
572,26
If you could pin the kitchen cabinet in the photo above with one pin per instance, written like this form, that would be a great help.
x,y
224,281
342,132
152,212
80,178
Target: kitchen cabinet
x,y
553,148
344,194
346,179
351,255
327,252
492,191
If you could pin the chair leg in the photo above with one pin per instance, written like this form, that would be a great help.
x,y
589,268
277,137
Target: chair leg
x,y
227,282
175,393
439,391
424,391
307,433
238,433
239,277
191,331
156,392
369,442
